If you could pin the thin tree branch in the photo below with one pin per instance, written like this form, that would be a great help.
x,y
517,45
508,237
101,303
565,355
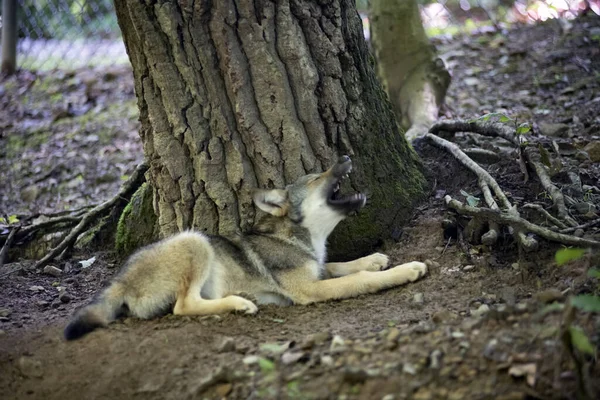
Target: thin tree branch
x,y
7,244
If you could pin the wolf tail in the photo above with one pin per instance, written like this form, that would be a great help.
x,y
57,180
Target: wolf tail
x,y
104,309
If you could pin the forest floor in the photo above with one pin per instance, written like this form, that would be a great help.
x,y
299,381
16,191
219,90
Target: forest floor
x,y
483,324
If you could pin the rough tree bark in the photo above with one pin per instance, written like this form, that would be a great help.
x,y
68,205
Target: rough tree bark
x,y
414,78
240,94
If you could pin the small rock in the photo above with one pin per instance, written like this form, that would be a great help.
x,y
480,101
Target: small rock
x,y
548,296
423,394
418,298
36,288
491,352
337,344
578,232
423,327
52,270
457,335
290,357
409,369
388,397
5,312
30,367
393,335
64,297
177,371
593,150
315,340
251,360
223,390
443,316
327,360
468,268
435,359
226,345
554,130
483,309
2,333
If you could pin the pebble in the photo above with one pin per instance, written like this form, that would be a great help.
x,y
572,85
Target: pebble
x,y
554,130
251,360
393,335
52,271
42,303
5,312
226,345
337,344
327,360
64,297
419,298
435,359
36,288
443,316
458,335
469,324
468,268
483,309
548,295
315,339
593,150
290,357
223,390
409,369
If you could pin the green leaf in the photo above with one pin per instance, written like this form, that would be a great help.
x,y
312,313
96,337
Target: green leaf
x,y
523,129
580,340
274,348
586,302
563,256
266,366
544,156
13,219
472,201
593,273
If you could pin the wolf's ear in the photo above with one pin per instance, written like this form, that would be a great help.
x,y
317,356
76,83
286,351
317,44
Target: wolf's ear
x,y
274,201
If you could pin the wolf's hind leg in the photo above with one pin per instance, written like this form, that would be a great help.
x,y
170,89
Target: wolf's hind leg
x,y
374,262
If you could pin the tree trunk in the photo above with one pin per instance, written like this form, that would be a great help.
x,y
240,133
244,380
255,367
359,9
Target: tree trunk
x,y
414,78
235,95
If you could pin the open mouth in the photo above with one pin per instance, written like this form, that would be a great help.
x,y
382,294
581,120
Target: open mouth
x,y
344,202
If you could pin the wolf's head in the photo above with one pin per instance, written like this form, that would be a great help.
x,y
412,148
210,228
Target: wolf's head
x,y
314,201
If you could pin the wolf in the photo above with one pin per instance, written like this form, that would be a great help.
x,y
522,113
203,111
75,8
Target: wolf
x,y
281,260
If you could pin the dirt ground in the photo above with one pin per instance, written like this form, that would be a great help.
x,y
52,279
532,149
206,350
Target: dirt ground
x,y
484,324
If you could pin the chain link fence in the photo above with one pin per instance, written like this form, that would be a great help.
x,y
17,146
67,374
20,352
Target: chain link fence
x,y
67,34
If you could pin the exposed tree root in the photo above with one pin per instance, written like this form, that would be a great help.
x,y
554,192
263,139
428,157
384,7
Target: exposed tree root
x,y
486,181
523,225
128,188
505,213
494,129
7,243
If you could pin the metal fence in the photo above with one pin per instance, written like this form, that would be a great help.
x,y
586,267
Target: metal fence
x,y
67,34
84,33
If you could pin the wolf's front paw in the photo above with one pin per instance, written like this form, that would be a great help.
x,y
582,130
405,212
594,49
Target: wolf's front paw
x,y
417,269
242,305
376,262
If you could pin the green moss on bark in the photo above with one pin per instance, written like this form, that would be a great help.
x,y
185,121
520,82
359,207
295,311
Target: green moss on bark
x,y
137,224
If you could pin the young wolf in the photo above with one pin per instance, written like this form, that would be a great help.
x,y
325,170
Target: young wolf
x,y
281,261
